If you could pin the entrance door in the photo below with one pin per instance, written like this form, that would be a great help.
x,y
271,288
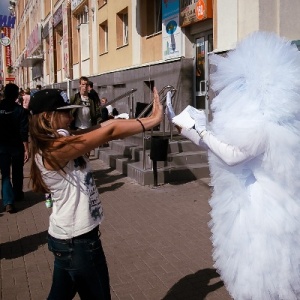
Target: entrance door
x,y
204,45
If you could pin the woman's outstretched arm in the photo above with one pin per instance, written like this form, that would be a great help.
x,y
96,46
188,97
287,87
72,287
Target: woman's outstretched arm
x,y
110,130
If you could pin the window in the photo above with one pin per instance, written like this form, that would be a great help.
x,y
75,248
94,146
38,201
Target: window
x,y
154,18
102,2
47,51
58,45
103,37
83,17
122,28
125,29
75,40
47,7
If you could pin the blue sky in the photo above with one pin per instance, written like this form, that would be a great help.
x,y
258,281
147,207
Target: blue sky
x,y
4,4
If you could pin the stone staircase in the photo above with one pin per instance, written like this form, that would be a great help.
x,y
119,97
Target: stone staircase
x,y
185,161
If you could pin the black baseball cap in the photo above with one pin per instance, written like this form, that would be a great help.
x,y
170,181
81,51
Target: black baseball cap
x,y
49,100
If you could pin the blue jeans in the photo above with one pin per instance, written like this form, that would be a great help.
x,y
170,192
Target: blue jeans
x,y
7,189
17,174
12,156
79,266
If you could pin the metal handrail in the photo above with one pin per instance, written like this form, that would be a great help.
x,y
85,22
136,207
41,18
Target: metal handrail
x,y
162,100
163,95
130,103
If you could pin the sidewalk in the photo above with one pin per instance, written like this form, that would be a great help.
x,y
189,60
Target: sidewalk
x,y
156,241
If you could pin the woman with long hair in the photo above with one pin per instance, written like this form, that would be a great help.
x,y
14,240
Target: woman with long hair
x,y
61,168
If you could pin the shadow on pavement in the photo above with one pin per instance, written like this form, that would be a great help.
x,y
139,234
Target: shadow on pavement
x,y
194,286
110,188
102,177
30,199
23,246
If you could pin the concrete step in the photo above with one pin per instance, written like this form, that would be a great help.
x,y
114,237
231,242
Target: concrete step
x,y
167,174
185,161
187,158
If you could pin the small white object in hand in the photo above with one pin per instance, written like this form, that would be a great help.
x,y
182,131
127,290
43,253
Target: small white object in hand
x,y
169,109
184,120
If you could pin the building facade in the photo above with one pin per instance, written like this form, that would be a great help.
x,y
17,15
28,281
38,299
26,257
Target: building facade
x,y
136,44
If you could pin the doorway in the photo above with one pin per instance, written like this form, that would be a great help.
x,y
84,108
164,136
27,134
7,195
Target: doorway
x,y
203,45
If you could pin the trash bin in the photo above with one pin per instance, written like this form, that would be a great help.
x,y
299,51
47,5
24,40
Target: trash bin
x,y
158,152
159,148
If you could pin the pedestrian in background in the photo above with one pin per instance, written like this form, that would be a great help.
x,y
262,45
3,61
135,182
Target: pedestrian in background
x,y
26,98
20,97
92,93
60,167
87,116
104,109
14,150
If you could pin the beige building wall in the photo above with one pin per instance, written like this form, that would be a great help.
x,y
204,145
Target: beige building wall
x,y
235,19
114,56
151,44
29,14
93,36
232,21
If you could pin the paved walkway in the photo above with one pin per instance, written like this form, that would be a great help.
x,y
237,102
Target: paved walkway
x,y
156,242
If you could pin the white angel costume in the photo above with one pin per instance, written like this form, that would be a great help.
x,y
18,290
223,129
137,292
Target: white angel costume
x,y
254,158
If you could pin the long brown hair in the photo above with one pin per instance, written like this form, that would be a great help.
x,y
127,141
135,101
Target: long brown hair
x,y
42,142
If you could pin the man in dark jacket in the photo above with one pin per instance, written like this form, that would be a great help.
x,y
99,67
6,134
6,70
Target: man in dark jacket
x,y
87,116
93,94
14,150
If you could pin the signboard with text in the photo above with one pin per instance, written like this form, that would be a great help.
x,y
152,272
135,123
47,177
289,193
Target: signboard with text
x,y
75,4
171,32
7,48
66,40
192,11
51,51
34,40
7,15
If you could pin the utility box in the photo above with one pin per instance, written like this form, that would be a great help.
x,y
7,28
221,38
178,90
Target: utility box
x,y
158,152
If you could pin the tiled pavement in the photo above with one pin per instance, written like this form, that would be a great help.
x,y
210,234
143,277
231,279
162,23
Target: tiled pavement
x,y
156,241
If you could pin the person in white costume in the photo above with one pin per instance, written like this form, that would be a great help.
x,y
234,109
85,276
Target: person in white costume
x,y
60,167
253,146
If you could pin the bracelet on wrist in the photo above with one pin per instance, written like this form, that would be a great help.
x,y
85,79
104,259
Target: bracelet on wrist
x,y
141,124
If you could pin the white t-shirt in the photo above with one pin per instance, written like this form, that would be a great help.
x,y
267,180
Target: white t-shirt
x,y
77,207
83,119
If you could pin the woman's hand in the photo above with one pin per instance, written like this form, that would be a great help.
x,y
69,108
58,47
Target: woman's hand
x,y
157,109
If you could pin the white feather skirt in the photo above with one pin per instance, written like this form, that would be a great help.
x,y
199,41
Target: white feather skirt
x,y
256,205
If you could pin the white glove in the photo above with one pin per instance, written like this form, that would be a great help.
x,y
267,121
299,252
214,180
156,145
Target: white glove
x,y
169,109
199,118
